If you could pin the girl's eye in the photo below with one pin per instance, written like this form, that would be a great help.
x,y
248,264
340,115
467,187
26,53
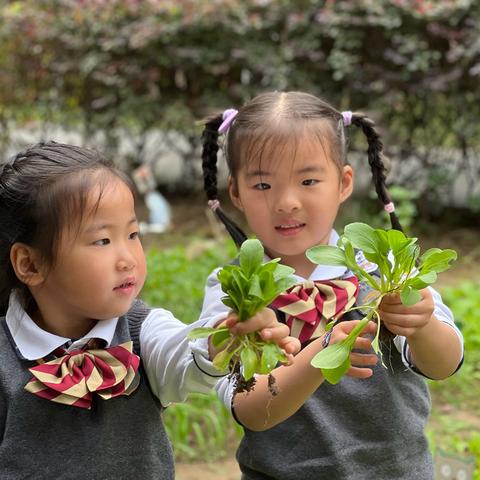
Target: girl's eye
x,y
261,186
309,182
102,242
134,236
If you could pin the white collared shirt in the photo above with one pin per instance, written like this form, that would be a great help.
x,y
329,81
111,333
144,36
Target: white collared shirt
x,y
175,366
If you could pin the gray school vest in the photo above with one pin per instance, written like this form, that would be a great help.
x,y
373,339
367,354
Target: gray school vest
x,y
370,429
120,438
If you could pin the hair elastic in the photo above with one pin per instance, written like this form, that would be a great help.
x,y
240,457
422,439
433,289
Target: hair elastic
x,y
347,118
326,338
213,204
389,207
228,117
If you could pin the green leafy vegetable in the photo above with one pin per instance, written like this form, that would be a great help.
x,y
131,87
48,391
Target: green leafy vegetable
x,y
249,286
402,271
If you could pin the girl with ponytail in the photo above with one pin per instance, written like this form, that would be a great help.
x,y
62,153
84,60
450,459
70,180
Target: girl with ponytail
x,y
287,157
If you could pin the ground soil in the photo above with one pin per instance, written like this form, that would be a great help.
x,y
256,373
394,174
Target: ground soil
x,y
190,217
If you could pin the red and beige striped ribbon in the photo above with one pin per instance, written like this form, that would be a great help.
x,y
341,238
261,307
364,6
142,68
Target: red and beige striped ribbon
x,y
72,378
311,305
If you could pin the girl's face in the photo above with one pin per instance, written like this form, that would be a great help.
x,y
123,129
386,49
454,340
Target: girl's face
x,y
98,271
291,199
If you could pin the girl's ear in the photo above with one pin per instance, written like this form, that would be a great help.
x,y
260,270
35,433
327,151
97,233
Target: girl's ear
x,y
26,264
346,183
233,192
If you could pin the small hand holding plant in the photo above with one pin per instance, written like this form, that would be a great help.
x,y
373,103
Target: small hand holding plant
x,y
249,287
396,256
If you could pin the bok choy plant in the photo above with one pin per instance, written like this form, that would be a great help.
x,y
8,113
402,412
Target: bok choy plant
x,y
402,270
249,287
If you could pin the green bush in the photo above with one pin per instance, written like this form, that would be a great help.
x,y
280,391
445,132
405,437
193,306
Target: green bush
x,y
104,68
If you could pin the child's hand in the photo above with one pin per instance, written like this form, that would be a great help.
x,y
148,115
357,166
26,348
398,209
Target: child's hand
x,y
403,320
359,361
270,329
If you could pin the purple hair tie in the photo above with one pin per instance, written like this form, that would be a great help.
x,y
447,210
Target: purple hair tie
x,y
228,117
389,207
347,118
213,204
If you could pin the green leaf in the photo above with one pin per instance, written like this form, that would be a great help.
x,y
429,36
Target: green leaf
x,y
350,259
376,345
326,255
284,284
282,271
331,357
240,285
251,256
225,275
409,296
271,355
249,360
422,280
255,289
334,375
382,240
220,337
222,359
405,260
271,266
203,332
397,240
362,236
437,260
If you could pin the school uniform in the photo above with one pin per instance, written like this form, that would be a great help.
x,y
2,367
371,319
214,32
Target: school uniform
x,y
359,429
118,438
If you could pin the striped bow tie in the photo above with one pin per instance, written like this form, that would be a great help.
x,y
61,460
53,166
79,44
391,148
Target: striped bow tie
x,y
72,378
311,305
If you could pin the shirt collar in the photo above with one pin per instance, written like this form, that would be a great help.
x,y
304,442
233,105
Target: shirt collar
x,y
33,343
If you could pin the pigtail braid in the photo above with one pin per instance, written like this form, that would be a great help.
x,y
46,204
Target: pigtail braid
x,y
375,147
209,167
209,157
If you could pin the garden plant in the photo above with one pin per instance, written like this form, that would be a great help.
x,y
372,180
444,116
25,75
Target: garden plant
x,y
401,268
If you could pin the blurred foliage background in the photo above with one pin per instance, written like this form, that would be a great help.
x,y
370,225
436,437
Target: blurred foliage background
x,y
114,73
113,70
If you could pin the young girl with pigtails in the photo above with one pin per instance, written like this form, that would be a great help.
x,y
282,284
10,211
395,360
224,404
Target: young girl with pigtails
x,y
287,158
85,368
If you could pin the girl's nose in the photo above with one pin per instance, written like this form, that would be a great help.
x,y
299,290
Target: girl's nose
x,y
126,261
287,201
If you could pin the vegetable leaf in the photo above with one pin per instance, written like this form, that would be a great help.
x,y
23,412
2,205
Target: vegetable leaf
x,y
396,256
249,287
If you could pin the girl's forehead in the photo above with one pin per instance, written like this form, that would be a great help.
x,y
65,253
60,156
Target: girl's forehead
x,y
292,154
107,197
114,194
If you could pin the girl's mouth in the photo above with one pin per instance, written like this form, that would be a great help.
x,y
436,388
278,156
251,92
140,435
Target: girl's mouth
x,y
289,228
126,287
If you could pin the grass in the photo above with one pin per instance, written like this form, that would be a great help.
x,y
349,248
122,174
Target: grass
x,y
202,429
455,420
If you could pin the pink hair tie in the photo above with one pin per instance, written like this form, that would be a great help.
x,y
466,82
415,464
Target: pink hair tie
x,y
228,117
347,118
389,207
213,204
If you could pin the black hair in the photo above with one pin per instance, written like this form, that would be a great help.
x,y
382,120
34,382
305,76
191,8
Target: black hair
x,y
44,189
274,117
